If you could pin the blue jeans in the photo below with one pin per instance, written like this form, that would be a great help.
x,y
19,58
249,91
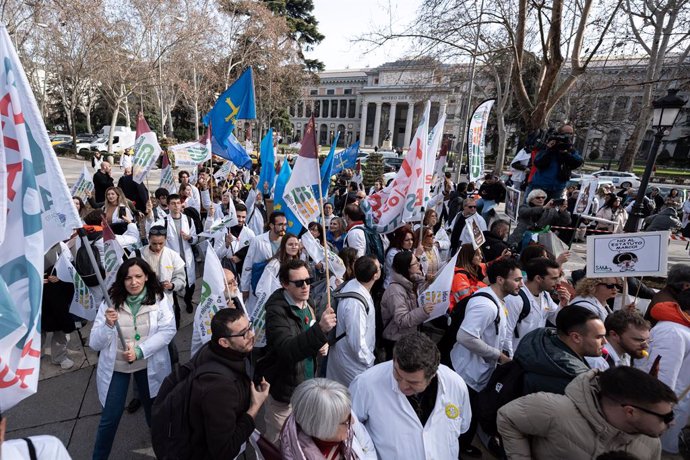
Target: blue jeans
x,y
115,405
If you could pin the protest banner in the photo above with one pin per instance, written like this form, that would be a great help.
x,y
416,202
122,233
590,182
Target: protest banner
x,y
513,196
476,139
190,154
627,254
83,187
83,303
146,150
438,292
212,296
299,193
588,190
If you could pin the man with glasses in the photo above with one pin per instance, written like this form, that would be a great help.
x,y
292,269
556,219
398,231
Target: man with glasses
x,y
224,403
461,233
627,336
621,409
262,248
294,339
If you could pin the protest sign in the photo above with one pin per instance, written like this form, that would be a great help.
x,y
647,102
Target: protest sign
x,y
513,196
438,292
475,231
627,254
585,198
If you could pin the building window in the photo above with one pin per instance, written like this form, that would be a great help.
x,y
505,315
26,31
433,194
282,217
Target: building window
x,y
348,91
635,107
619,107
376,81
603,109
300,109
313,92
330,92
342,112
351,111
292,110
325,107
334,108
317,108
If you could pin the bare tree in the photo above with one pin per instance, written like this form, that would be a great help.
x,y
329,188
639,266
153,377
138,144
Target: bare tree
x,y
660,28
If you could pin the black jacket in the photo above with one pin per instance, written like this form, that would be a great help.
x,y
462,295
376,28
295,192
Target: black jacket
x,y
134,192
218,406
287,346
493,247
101,182
495,191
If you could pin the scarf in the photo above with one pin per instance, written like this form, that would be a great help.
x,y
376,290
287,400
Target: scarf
x,y
134,301
670,311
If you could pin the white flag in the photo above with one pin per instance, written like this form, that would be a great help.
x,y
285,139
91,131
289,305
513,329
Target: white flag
x,y
212,297
191,153
438,292
112,255
225,169
38,213
230,220
83,187
83,304
146,153
317,252
306,174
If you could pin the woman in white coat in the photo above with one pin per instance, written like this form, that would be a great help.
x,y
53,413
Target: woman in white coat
x,y
147,323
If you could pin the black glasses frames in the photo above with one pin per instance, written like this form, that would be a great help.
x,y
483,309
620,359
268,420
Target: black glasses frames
x,y
300,283
242,334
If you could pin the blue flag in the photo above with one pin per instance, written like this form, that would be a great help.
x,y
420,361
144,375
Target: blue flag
x,y
267,177
345,159
231,150
294,225
237,102
327,167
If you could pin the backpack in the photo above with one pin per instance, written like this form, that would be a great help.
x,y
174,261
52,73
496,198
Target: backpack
x,y
82,264
336,297
454,320
505,385
374,244
170,428
524,313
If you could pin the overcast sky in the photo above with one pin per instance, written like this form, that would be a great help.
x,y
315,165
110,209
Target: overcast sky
x,y
343,21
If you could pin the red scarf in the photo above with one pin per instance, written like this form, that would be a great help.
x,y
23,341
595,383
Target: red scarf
x,y
670,311
357,222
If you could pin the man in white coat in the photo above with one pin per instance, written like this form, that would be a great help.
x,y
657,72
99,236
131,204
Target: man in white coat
x,y
353,351
181,234
356,238
483,337
262,248
670,339
167,264
232,243
195,200
413,407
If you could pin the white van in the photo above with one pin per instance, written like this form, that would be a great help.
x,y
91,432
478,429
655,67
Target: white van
x,y
123,138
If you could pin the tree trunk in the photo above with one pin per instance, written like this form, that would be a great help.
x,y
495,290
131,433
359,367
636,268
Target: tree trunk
x,y
171,132
127,118
196,118
113,123
89,129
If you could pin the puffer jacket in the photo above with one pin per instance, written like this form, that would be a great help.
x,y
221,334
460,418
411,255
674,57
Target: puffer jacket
x,y
287,346
399,309
537,217
667,219
548,362
567,427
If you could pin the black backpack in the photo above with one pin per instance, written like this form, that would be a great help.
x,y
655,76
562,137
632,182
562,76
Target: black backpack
x,y
82,264
336,297
374,244
505,385
524,313
454,320
170,427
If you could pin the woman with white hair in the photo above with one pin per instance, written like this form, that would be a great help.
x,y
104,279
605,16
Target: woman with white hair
x,y
536,214
322,425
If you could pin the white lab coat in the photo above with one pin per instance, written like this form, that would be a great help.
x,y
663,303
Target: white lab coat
x,y
592,303
356,239
260,249
599,362
671,341
155,347
394,426
170,267
173,242
245,237
194,201
480,314
47,447
354,353
541,309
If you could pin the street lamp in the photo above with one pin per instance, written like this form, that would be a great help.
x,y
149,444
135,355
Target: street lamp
x,y
666,111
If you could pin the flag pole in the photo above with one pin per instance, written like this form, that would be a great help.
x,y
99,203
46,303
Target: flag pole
x,y
323,230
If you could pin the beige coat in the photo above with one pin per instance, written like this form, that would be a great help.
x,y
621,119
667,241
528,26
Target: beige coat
x,y
400,311
566,427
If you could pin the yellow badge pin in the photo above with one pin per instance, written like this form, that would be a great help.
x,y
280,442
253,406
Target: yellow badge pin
x,y
452,411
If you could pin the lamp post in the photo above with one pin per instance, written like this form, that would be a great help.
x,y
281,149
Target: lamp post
x,y
666,112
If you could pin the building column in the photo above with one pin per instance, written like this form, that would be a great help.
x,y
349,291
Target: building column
x,y
363,124
443,107
408,125
377,125
347,108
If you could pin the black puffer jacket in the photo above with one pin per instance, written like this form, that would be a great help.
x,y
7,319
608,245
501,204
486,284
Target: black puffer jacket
x,y
287,346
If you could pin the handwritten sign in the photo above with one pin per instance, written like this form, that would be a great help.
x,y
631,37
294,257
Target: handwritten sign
x,y
627,254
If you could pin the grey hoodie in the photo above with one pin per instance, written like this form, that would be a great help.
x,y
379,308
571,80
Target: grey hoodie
x,y
549,364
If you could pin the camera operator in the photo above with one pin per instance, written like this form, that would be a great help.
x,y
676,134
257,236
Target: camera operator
x,y
554,162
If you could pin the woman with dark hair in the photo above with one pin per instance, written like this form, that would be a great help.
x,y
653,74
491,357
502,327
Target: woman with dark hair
x,y
289,249
612,210
348,256
470,274
400,310
147,324
404,239
81,207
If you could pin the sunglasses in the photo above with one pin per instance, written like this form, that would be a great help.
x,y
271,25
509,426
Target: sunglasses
x,y
471,207
666,418
158,232
539,197
611,286
300,283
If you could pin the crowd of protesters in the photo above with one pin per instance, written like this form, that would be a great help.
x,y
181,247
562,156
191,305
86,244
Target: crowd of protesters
x,y
366,375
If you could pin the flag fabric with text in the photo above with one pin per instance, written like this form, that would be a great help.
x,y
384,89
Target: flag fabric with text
x,y
84,185
294,226
39,213
236,103
299,190
167,180
327,167
146,150
345,159
112,254
267,177
212,295
83,304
